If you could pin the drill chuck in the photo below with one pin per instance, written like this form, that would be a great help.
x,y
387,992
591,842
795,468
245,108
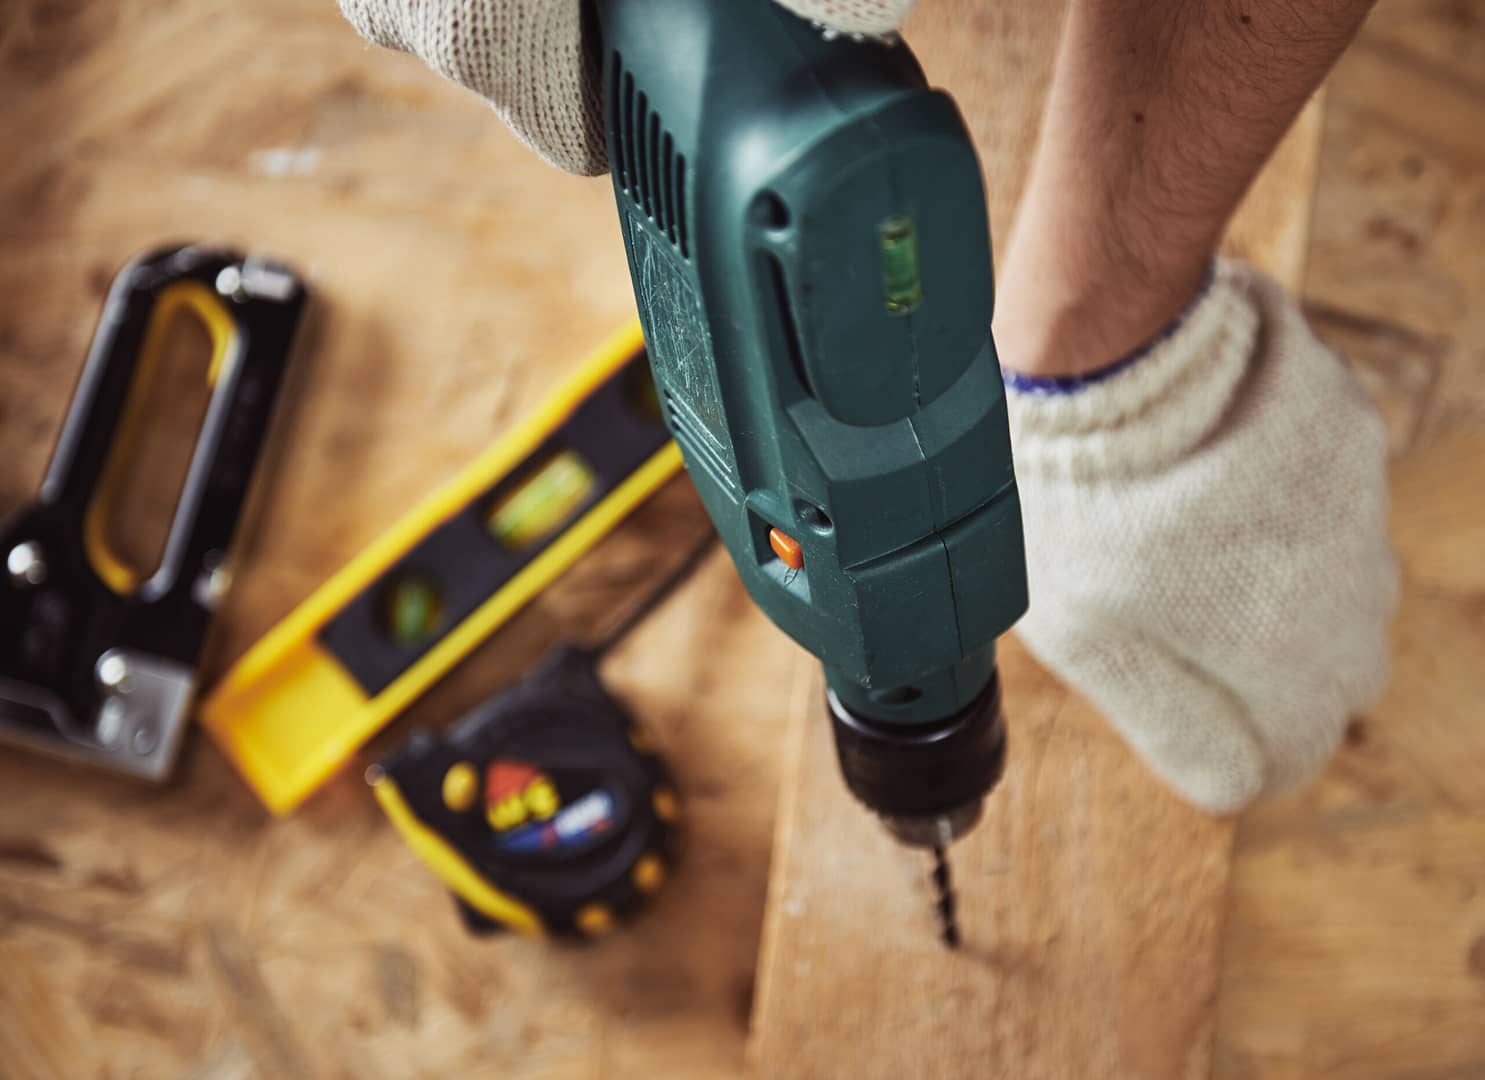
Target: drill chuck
x,y
927,782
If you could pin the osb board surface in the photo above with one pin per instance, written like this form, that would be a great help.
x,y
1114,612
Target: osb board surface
x,y
457,280
149,934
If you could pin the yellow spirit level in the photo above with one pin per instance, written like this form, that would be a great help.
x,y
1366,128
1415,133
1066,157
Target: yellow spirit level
x,y
374,637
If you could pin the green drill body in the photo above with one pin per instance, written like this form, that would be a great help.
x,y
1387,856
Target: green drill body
x,y
806,230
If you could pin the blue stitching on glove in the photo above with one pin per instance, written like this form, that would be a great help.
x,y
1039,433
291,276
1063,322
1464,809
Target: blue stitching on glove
x,y
1071,384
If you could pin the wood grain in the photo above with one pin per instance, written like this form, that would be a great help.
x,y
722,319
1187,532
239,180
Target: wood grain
x,y
1091,900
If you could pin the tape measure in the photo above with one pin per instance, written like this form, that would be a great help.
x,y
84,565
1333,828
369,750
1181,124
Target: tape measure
x,y
545,810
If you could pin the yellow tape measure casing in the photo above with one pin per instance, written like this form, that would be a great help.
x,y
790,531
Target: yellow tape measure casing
x,y
537,810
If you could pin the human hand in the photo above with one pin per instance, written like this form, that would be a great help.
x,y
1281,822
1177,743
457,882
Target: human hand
x,y
1206,543
529,59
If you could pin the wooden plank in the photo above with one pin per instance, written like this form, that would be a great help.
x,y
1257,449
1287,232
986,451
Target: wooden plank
x,y
1091,903
1091,899
459,280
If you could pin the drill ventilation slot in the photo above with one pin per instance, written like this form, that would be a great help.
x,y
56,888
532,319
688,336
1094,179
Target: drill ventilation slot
x,y
646,163
702,448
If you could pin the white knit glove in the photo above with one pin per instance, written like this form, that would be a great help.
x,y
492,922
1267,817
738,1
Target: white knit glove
x,y
1206,543
528,58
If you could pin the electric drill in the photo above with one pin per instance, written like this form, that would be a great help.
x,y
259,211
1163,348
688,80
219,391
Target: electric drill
x,y
806,230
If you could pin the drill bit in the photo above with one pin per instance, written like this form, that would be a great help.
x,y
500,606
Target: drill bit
x,y
948,918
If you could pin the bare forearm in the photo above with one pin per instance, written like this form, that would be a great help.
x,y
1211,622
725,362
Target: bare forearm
x,y
1160,115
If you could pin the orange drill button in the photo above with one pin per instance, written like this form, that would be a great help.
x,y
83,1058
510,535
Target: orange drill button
x,y
786,548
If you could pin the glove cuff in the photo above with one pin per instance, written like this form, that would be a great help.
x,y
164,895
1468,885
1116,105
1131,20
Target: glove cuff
x,y
1150,408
